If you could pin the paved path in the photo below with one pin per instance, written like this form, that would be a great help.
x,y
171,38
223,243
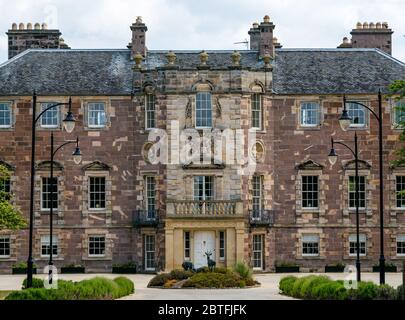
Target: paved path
x,y
267,291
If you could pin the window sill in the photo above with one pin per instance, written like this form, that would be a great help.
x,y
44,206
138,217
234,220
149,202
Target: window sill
x,y
97,258
310,128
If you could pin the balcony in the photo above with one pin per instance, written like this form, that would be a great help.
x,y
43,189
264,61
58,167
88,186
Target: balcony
x,y
261,218
204,209
145,218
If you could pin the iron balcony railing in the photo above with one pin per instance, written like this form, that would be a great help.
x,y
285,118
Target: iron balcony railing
x,y
146,218
209,208
261,217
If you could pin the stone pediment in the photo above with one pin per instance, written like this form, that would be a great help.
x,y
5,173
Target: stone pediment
x,y
351,165
8,166
309,165
96,166
46,166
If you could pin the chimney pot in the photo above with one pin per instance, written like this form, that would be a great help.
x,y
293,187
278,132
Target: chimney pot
x,y
372,25
266,19
255,25
37,26
365,25
359,25
29,26
345,40
21,26
44,26
138,19
14,26
385,25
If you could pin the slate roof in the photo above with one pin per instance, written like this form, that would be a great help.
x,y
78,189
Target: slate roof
x,y
109,72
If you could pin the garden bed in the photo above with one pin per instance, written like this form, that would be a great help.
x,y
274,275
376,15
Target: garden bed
x,y
323,288
217,278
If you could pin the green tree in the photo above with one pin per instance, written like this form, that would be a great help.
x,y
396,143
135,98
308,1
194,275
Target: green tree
x,y
10,217
397,89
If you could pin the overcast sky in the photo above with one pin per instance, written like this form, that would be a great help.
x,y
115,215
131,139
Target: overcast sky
x,y
203,24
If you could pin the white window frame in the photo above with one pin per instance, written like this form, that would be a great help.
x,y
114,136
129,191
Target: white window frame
x,y
259,251
311,238
400,238
95,104
354,191
90,193
150,111
9,105
302,191
396,192
204,198
256,101
45,241
258,197
8,238
358,125
318,110
222,246
362,239
56,194
43,107
149,196
146,237
208,110
394,106
105,245
187,245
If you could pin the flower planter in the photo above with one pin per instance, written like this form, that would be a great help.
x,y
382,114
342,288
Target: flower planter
x,y
23,270
72,270
387,269
334,268
286,269
124,270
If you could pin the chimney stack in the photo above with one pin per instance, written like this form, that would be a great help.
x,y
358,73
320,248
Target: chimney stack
x,y
266,37
138,44
21,38
254,34
372,35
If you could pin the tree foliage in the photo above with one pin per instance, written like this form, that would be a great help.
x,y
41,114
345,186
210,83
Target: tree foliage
x,y
10,217
397,90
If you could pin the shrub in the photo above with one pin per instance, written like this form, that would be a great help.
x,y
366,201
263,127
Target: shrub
x,y
180,274
386,292
243,270
203,270
296,289
92,289
159,280
214,280
125,265
170,283
310,283
221,270
400,292
286,284
36,283
366,291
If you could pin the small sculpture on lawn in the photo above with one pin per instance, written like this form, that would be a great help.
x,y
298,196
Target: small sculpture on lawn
x,y
188,266
210,263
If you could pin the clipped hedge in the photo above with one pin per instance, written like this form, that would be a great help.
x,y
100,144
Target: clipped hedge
x,y
93,289
36,283
323,288
215,280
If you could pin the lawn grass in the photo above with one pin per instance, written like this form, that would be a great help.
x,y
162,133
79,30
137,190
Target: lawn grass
x,y
4,294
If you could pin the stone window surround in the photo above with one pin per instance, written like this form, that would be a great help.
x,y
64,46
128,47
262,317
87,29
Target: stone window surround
x,y
322,243
62,110
218,183
144,233
263,234
367,114
62,245
144,103
392,110
369,192
109,244
298,113
394,172
43,172
266,202
143,198
108,193
393,246
346,244
14,246
14,112
366,241
321,192
108,113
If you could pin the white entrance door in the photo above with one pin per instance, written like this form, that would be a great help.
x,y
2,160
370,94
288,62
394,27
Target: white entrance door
x,y
204,241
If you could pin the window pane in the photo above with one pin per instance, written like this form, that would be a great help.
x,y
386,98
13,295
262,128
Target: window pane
x,y
399,112
203,188
150,111
203,110
4,246
400,186
97,245
310,245
257,196
353,244
352,192
222,245
149,252
151,197
186,245
46,200
97,192
46,245
310,114
357,114
310,191
256,105
401,244
5,114
51,117
96,114
257,251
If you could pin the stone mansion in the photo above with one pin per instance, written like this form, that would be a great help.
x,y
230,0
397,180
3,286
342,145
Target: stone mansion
x,y
119,206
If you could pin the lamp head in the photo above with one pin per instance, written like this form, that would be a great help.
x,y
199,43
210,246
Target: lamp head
x,y
69,122
332,157
77,154
345,120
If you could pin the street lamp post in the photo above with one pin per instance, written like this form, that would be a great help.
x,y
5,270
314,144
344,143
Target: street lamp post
x,y
69,124
77,157
344,121
332,159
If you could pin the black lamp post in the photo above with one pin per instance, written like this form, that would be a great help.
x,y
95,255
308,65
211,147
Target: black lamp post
x,y
77,157
332,159
344,121
69,124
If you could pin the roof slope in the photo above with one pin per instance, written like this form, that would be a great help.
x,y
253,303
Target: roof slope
x,y
109,72
329,71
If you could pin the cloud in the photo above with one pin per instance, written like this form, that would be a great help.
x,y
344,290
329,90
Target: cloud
x,y
209,24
